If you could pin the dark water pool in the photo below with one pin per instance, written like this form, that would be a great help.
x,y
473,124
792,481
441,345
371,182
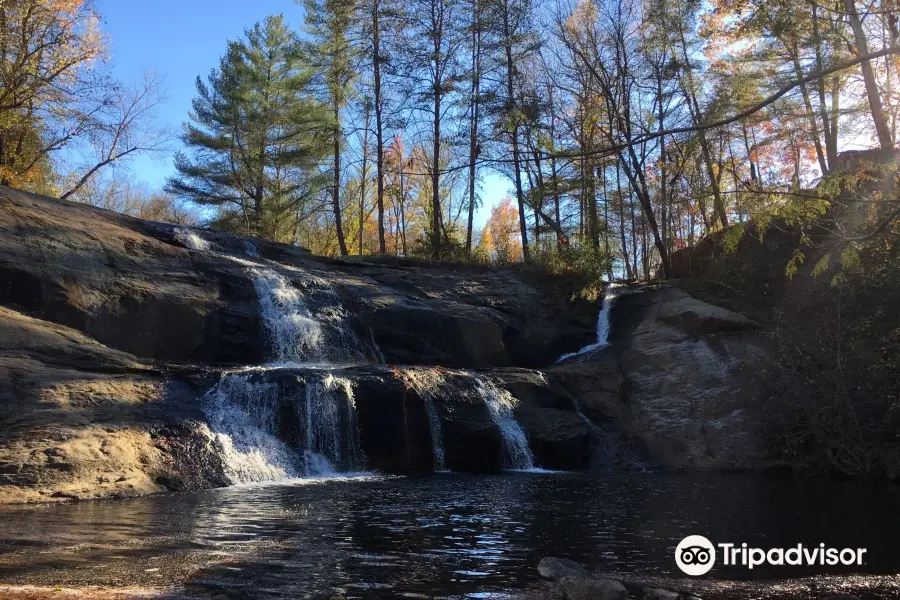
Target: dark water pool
x,y
448,535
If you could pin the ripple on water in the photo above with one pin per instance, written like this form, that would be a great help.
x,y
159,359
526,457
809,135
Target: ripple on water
x,y
459,536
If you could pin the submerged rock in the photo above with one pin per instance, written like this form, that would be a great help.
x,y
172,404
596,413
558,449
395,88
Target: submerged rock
x,y
554,568
577,583
659,594
578,587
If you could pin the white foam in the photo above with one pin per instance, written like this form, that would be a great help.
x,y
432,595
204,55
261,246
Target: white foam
x,y
500,404
191,239
602,326
242,418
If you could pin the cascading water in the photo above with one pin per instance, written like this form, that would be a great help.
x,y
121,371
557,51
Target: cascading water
x,y
300,334
243,407
295,334
602,326
191,239
307,328
242,418
427,382
329,436
500,404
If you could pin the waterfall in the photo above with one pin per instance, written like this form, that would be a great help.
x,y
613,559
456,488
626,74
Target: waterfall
x,y
243,408
191,239
516,453
427,382
330,439
293,331
307,326
242,419
602,326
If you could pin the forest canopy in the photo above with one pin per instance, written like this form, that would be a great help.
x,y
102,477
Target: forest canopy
x,y
626,130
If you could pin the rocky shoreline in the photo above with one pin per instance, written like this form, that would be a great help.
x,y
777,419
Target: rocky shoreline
x,y
572,581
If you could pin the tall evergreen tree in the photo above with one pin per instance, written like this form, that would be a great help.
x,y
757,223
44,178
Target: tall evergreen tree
x,y
434,36
516,41
328,24
256,136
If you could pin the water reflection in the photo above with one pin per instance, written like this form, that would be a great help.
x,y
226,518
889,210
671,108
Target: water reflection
x,y
445,534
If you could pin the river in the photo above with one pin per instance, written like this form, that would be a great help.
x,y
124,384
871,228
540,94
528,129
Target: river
x,y
447,535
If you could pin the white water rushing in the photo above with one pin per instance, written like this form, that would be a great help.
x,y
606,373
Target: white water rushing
x,y
295,334
328,422
245,407
602,326
306,326
243,412
191,239
500,404
242,420
427,382
300,334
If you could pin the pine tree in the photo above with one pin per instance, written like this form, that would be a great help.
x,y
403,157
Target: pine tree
x,y
328,24
433,40
516,41
256,137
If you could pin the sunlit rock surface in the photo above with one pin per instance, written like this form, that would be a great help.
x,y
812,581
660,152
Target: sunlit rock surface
x,y
115,333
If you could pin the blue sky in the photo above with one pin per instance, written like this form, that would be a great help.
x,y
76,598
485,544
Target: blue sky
x,y
181,39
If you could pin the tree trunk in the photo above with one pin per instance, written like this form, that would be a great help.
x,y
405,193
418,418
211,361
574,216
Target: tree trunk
x,y
862,48
379,133
593,217
601,175
435,175
829,132
362,180
639,185
662,152
634,235
473,126
694,109
336,192
621,195
517,167
810,113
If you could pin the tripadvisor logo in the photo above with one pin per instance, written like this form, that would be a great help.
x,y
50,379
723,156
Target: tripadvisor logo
x,y
695,555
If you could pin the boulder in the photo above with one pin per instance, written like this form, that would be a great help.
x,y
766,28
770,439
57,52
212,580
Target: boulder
x,y
554,568
691,379
659,594
578,587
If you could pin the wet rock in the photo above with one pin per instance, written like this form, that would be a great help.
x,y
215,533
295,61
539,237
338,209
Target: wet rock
x,y
554,568
112,329
577,587
692,376
659,594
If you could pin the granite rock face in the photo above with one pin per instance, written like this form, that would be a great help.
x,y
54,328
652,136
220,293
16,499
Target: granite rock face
x,y
113,329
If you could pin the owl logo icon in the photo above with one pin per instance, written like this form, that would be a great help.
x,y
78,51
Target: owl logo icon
x,y
695,555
